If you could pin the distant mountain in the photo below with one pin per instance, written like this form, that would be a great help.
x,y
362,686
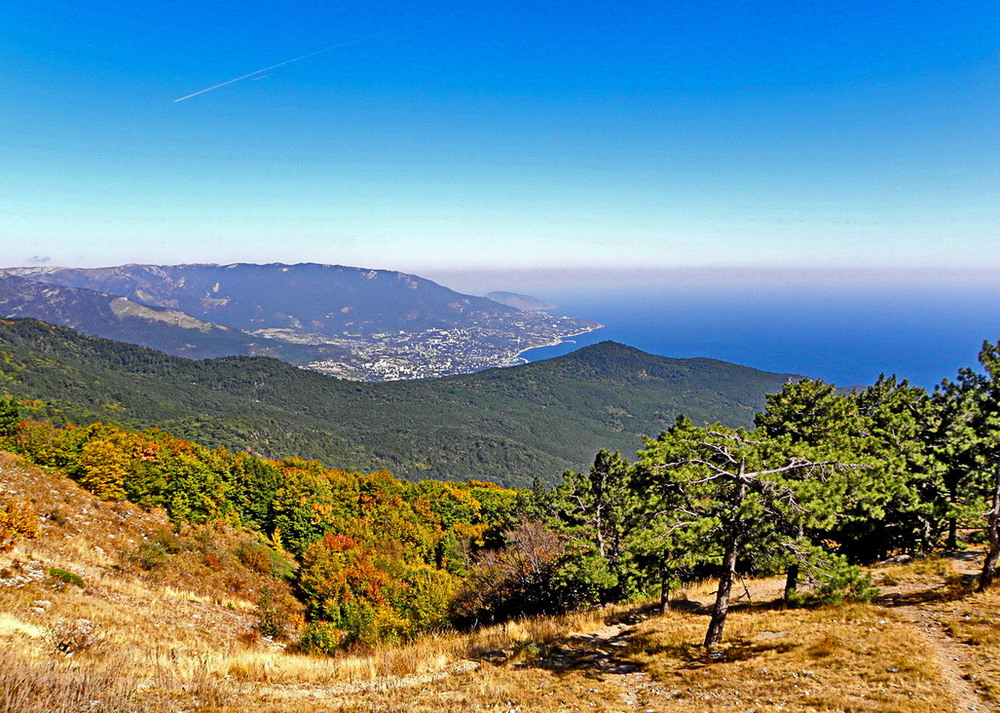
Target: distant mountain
x,y
111,316
522,302
381,324
506,425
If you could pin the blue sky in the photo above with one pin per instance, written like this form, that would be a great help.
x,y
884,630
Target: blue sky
x,y
513,135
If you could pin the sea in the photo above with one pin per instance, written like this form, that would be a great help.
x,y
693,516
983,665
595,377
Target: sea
x,y
846,334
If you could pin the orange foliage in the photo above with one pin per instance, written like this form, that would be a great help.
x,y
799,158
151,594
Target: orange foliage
x,y
17,520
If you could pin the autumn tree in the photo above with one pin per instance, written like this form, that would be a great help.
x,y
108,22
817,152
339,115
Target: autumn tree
x,y
17,521
102,468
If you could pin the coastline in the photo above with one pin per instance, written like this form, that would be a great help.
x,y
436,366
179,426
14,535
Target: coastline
x,y
560,340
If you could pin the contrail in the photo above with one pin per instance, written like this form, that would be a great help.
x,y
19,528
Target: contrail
x,y
279,64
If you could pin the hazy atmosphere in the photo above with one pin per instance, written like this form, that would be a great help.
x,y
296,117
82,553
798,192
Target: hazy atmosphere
x,y
465,136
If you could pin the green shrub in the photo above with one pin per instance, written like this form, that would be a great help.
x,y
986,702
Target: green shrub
x,y
276,615
847,583
322,638
57,516
840,582
66,577
978,537
149,556
167,540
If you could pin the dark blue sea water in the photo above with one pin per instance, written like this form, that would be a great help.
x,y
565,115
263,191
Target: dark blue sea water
x,y
847,335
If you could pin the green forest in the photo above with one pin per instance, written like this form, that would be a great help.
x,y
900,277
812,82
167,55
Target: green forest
x,y
506,425
822,482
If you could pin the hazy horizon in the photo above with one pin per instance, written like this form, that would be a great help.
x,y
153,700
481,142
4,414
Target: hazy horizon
x,y
841,326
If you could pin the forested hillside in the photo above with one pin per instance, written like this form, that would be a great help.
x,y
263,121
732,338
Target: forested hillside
x,y
824,481
507,425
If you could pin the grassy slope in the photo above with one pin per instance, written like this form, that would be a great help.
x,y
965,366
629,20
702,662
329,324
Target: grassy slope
x,y
506,425
172,640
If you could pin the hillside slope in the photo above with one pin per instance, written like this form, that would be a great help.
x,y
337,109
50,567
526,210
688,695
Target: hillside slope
x,y
327,300
100,314
506,425
179,636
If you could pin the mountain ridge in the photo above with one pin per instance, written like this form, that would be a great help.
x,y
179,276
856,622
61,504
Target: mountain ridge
x,y
503,424
369,324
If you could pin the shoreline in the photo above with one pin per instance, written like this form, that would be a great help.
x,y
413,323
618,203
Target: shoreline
x,y
556,343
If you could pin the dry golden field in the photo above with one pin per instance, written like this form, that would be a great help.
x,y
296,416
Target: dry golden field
x,y
178,636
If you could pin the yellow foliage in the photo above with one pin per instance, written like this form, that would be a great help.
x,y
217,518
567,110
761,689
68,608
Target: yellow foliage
x,y
17,520
102,468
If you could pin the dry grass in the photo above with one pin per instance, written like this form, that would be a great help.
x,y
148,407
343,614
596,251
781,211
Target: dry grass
x,y
174,638
972,623
857,658
46,686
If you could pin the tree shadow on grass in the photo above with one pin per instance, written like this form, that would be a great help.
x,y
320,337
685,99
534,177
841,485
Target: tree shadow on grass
x,y
948,592
694,655
611,650
601,652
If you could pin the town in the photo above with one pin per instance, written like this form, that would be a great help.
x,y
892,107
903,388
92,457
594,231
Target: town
x,y
441,352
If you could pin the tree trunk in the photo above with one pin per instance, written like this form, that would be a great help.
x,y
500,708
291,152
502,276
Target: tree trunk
x,y
993,531
599,527
664,591
792,573
952,542
791,580
721,608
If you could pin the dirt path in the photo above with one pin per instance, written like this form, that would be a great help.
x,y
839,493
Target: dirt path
x,y
916,606
620,685
601,651
948,655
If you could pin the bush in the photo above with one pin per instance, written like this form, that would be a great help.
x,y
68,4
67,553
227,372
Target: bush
x,y
73,638
66,577
255,557
167,540
276,615
535,574
839,582
322,638
148,556
977,537
847,583
259,558
17,520
57,516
